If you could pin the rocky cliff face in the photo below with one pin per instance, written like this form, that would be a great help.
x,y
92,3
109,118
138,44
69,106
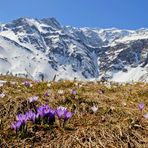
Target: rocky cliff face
x,y
43,48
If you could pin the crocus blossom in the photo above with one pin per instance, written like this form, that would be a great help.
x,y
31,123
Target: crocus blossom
x,y
27,84
67,115
60,92
40,111
145,116
2,95
31,116
73,92
33,99
100,91
141,106
62,112
46,94
49,113
94,108
16,126
22,118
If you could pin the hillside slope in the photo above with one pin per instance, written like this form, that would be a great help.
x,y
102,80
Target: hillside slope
x,y
103,114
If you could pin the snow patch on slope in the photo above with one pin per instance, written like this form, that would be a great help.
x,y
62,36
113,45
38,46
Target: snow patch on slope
x,y
132,75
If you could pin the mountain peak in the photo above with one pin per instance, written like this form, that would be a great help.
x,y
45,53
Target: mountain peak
x,y
21,22
51,21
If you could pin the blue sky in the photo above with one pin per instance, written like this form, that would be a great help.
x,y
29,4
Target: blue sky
x,y
128,14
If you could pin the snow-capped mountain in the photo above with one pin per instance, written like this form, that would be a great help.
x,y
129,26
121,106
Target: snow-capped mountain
x,y
44,49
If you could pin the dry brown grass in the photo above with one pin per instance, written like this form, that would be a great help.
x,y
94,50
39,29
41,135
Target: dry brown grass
x,y
117,123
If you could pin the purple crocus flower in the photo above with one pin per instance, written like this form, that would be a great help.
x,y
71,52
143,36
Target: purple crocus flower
x,y
27,84
31,116
67,115
141,106
16,126
40,111
51,113
46,94
73,92
61,111
46,110
22,118
33,99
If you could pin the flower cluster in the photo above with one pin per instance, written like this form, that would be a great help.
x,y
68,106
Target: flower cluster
x,y
46,114
43,115
21,120
62,112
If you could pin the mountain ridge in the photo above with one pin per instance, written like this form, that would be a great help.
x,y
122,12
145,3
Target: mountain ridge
x,y
44,48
